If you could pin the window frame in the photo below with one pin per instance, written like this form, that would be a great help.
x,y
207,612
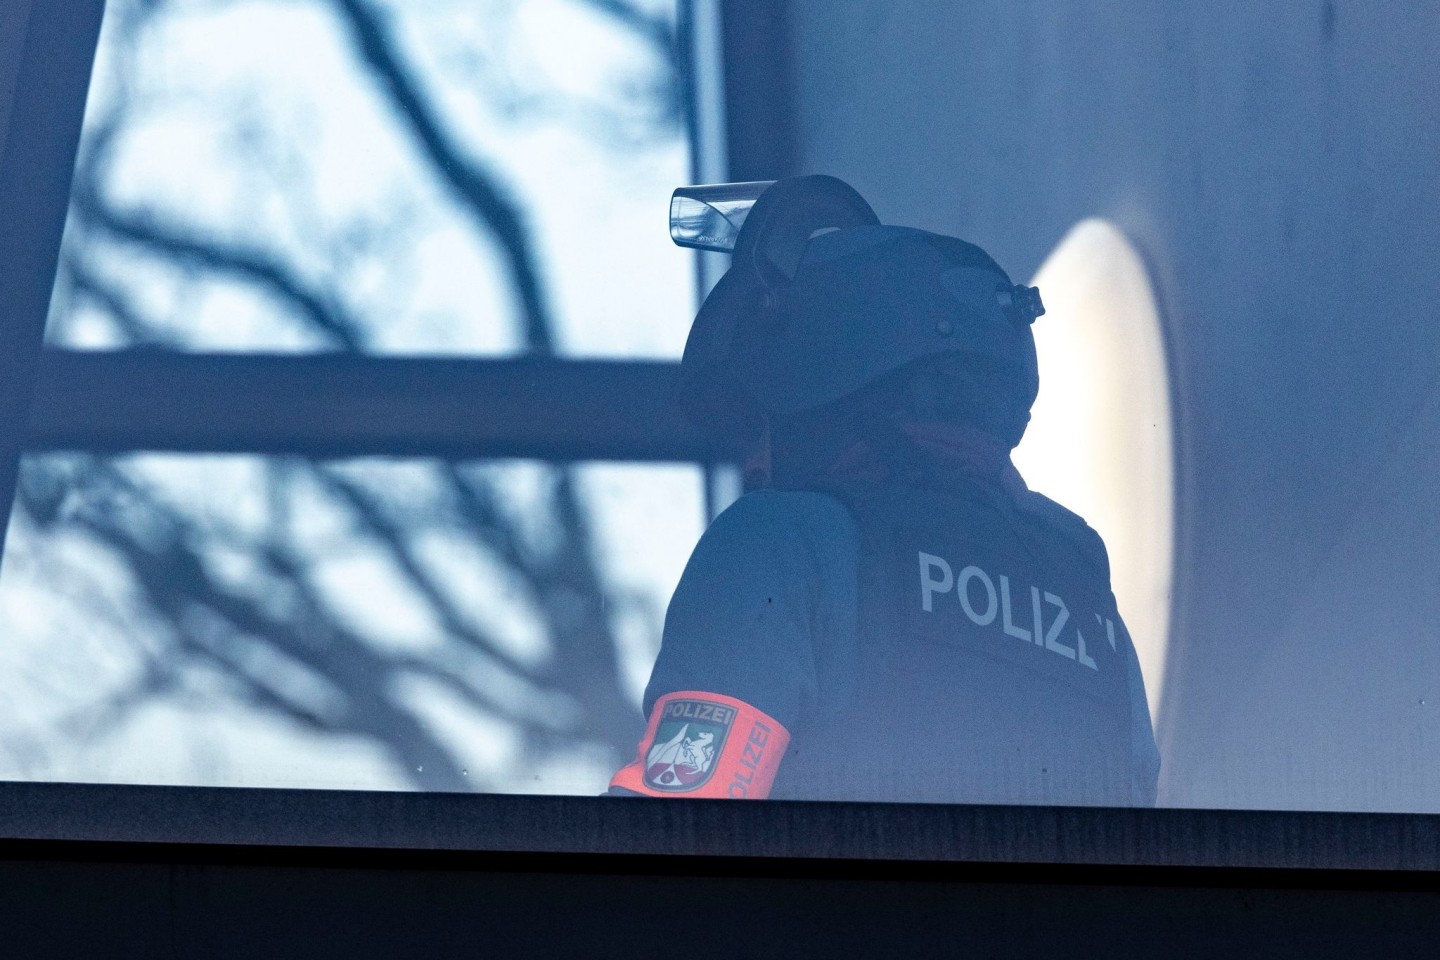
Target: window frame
x,y
56,52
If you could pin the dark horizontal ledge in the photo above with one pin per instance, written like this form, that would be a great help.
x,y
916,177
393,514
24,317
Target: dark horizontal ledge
x,y
338,405
480,823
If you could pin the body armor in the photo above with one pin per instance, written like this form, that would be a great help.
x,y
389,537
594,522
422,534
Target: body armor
x,y
993,666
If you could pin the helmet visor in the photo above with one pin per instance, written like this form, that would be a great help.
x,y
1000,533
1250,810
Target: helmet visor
x,y
709,217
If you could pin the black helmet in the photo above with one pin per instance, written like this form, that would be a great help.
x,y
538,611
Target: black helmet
x,y
821,300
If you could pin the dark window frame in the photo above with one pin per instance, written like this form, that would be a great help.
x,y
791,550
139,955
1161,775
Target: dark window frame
x,y
53,77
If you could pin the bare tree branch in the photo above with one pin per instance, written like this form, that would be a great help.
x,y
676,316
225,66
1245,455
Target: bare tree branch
x,y
475,187
392,537
657,29
173,578
257,266
86,284
660,32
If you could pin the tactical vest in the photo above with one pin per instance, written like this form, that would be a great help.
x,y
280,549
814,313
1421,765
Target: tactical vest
x,y
992,662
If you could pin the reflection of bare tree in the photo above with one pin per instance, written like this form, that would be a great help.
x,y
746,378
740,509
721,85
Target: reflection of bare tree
x,y
240,630
475,188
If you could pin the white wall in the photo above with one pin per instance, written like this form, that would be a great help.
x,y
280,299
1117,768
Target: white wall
x,y
1279,165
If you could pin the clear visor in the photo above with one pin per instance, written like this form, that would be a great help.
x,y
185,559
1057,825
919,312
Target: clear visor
x,y
709,217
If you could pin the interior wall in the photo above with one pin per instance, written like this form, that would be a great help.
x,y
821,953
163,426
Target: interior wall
x,y
1279,166
14,20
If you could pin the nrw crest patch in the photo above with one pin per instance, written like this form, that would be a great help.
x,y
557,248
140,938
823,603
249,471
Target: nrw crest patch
x,y
689,738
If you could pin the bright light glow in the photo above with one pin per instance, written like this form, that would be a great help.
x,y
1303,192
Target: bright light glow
x,y
1100,438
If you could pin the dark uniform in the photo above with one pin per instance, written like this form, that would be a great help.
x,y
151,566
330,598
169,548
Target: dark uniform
x,y
938,634
845,624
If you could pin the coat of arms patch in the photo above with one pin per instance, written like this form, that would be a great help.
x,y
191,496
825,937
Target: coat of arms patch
x,y
689,738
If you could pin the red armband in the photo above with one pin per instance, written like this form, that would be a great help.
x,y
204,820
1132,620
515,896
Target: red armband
x,y
705,745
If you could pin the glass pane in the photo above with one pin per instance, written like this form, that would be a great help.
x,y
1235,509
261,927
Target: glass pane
x,y
417,177
1229,215
376,624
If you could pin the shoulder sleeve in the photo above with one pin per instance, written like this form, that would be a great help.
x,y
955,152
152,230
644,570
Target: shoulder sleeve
x,y
773,573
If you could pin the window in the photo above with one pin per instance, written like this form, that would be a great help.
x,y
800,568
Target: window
x,y
450,199
281,305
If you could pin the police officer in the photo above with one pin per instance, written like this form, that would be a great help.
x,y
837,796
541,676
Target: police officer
x,y
896,617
